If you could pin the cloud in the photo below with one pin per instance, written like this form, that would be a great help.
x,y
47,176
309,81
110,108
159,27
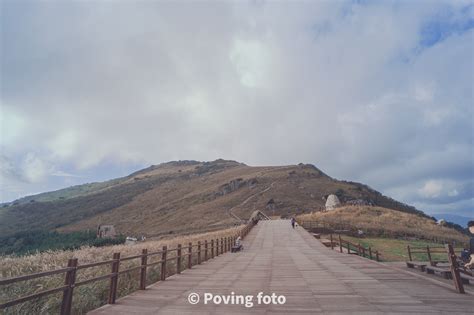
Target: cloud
x,y
34,169
251,60
376,92
431,189
31,169
64,174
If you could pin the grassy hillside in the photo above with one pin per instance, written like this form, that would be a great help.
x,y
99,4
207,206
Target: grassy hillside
x,y
186,197
27,242
67,193
378,221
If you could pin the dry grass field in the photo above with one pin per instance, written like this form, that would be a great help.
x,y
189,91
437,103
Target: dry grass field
x,y
92,295
378,221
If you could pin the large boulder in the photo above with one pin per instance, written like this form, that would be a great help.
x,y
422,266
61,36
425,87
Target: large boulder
x,y
332,202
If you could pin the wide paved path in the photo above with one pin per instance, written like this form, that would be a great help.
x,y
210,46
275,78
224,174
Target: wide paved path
x,y
313,279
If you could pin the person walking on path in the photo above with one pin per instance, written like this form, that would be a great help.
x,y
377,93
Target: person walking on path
x,y
293,222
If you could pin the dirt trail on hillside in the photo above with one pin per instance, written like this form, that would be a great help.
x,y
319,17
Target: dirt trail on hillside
x,y
246,200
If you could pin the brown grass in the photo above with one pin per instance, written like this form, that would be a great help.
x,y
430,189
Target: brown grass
x,y
384,222
93,295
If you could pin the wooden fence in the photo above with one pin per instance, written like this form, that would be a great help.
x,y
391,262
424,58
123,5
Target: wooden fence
x,y
429,252
327,226
456,266
353,248
203,251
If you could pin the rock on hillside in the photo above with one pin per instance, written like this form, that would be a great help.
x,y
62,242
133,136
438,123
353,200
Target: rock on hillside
x,y
332,202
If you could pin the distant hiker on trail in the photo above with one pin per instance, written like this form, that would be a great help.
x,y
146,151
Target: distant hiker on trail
x,y
470,226
293,222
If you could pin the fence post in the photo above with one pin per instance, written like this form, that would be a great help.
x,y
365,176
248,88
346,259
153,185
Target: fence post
x,y
358,249
190,255
222,245
429,255
70,280
409,252
454,268
163,262
370,252
205,250
217,247
332,244
178,259
143,269
212,248
348,247
199,252
340,243
114,278
377,255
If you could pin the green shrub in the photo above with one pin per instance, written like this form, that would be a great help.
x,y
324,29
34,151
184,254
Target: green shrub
x,y
26,242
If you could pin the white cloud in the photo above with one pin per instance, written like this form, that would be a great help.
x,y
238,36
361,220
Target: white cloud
x,y
64,145
251,60
63,174
12,127
34,168
453,193
424,93
431,189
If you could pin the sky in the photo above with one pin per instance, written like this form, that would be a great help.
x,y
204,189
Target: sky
x,y
379,92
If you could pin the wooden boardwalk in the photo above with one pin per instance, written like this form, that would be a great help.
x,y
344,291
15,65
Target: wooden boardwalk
x,y
313,278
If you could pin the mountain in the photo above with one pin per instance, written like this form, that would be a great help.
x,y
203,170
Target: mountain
x,y
186,197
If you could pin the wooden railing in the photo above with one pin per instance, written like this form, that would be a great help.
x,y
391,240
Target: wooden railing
x,y
203,251
332,226
455,266
429,252
350,247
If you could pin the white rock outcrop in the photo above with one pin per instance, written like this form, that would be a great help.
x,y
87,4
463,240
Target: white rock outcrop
x,y
332,202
